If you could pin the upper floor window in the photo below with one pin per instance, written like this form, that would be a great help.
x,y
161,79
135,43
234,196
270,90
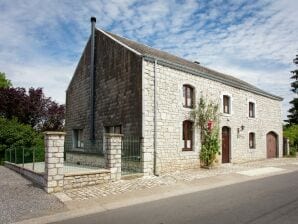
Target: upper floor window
x,y
226,104
187,135
114,129
188,95
251,109
252,140
78,138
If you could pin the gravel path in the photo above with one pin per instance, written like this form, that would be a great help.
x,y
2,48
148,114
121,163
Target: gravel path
x,y
21,199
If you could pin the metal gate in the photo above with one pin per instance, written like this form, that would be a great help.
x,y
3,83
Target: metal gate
x,y
131,155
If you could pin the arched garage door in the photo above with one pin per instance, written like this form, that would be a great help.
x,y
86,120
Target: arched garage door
x,y
271,145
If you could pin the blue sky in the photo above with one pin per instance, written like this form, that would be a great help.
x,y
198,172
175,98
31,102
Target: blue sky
x,y
42,41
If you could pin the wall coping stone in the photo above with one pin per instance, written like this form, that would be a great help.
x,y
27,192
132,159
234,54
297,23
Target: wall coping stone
x,y
99,171
54,133
113,135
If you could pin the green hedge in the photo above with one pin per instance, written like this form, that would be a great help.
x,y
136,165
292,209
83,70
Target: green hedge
x,y
18,137
291,132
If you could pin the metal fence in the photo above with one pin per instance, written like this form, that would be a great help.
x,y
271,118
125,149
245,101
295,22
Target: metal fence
x,y
131,155
89,156
31,158
89,146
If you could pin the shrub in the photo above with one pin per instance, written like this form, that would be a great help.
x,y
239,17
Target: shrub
x,y
291,132
206,118
15,136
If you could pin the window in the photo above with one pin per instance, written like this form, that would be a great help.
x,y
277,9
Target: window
x,y
226,104
188,95
114,129
251,108
78,138
252,140
187,135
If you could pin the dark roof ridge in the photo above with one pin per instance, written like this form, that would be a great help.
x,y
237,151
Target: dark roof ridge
x,y
145,50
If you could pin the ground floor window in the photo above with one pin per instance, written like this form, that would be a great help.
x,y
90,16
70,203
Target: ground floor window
x,y
252,140
117,129
78,138
187,135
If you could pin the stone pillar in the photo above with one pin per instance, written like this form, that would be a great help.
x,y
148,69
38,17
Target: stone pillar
x,y
113,154
147,157
54,161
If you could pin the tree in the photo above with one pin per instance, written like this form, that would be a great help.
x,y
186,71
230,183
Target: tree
x,y
293,111
31,108
4,83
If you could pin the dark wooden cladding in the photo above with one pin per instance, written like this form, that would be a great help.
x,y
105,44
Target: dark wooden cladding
x,y
118,90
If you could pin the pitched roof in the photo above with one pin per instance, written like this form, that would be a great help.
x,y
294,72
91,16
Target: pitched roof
x,y
189,66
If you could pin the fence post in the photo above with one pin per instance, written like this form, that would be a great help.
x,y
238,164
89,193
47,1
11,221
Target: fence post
x,y
10,155
15,155
54,161
23,157
33,159
113,154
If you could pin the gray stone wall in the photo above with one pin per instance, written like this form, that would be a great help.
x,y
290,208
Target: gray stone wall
x,y
77,180
54,161
31,175
118,91
113,155
171,114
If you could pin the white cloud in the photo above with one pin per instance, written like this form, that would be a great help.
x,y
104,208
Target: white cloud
x,y
41,41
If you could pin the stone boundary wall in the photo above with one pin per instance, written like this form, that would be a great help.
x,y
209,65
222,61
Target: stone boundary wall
x,y
55,180
77,180
31,175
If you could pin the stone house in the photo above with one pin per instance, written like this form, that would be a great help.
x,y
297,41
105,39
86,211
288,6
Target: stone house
x,y
121,86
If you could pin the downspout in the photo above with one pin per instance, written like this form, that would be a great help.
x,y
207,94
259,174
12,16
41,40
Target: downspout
x,y
92,81
155,123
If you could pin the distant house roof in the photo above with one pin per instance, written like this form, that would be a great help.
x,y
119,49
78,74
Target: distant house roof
x,y
192,67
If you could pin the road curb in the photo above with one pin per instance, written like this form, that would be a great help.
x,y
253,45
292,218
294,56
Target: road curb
x,y
94,206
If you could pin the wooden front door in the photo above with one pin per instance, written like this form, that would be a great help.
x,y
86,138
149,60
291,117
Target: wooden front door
x,y
225,152
271,145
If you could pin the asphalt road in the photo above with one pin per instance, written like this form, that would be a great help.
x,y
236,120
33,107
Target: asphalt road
x,y
271,200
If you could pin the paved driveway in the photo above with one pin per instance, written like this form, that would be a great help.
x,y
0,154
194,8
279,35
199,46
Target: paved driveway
x,y
21,199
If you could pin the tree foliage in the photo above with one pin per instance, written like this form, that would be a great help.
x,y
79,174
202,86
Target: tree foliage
x,y
16,137
291,132
31,108
4,82
293,111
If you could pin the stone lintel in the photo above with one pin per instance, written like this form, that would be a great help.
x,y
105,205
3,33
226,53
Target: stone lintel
x,y
110,135
54,133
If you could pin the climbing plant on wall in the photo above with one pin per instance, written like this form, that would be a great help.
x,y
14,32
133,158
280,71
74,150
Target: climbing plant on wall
x,y
206,116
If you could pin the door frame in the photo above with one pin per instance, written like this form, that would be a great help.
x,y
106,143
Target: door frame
x,y
230,144
277,145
